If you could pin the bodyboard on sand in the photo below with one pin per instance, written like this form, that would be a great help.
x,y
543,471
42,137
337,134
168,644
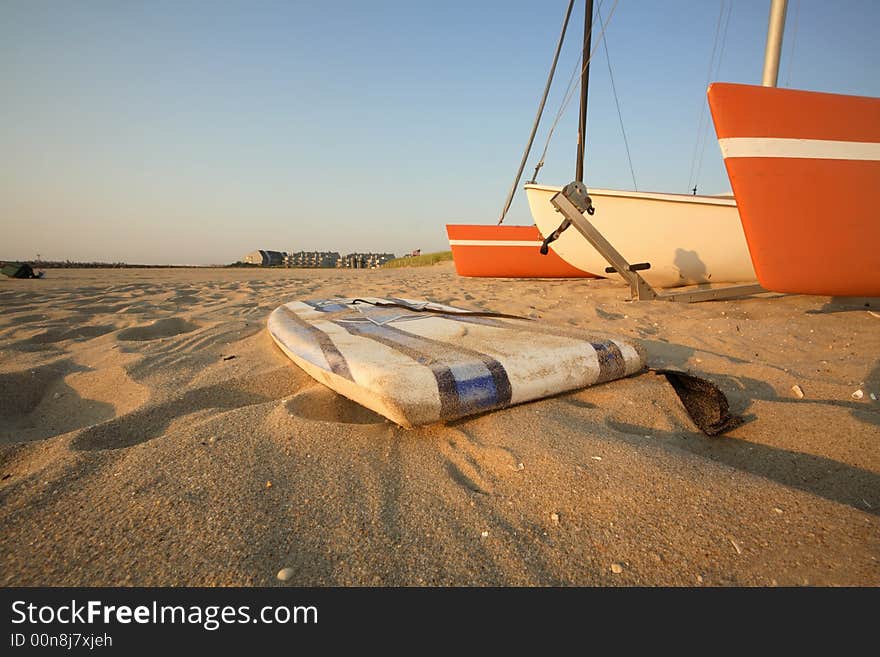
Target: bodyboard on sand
x,y
417,362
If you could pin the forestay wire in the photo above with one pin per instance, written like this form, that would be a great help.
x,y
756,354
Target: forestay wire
x,y
797,11
571,88
568,95
522,164
703,124
617,103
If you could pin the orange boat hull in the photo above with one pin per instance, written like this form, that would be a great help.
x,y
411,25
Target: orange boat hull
x,y
805,170
505,252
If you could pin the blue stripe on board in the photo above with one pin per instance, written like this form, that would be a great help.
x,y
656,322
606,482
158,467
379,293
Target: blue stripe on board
x,y
446,385
475,383
611,362
475,386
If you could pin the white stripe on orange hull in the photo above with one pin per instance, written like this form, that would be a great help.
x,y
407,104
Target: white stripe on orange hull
x,y
490,250
813,149
534,244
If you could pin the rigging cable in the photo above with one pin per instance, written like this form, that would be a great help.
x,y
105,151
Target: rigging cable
x,y
571,88
703,103
617,103
522,164
715,75
797,9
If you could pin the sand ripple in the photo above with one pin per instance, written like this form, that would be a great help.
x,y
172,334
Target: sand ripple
x,y
143,413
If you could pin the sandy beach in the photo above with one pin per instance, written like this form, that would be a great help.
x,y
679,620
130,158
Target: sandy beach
x,y
151,433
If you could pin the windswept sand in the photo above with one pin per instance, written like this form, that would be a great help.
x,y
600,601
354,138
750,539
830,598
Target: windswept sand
x,y
134,450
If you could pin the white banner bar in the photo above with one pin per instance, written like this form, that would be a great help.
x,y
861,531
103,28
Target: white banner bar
x,y
492,243
814,149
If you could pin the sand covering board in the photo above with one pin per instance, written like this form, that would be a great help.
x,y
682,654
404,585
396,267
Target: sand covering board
x,y
417,362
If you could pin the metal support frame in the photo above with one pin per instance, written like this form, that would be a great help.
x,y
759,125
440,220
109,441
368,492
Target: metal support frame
x,y
573,201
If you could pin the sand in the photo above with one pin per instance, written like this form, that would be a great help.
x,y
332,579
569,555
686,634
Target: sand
x,y
151,433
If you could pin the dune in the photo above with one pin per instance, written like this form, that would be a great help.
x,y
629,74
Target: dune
x,y
151,433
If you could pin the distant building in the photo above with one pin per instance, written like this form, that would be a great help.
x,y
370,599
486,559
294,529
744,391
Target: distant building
x,y
265,258
316,259
312,259
364,260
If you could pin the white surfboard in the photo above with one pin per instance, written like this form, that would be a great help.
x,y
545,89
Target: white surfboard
x,y
417,362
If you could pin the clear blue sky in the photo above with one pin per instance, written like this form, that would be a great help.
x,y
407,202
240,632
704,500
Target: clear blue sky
x,y
195,132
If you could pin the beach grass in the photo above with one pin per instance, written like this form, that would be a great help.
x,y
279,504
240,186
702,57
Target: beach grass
x,y
419,260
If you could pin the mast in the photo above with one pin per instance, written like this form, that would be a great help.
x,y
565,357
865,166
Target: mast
x,y
585,83
775,28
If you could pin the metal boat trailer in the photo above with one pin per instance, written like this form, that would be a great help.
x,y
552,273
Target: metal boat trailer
x,y
573,202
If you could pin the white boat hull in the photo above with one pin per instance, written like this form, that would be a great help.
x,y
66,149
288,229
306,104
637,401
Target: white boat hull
x,y
687,239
